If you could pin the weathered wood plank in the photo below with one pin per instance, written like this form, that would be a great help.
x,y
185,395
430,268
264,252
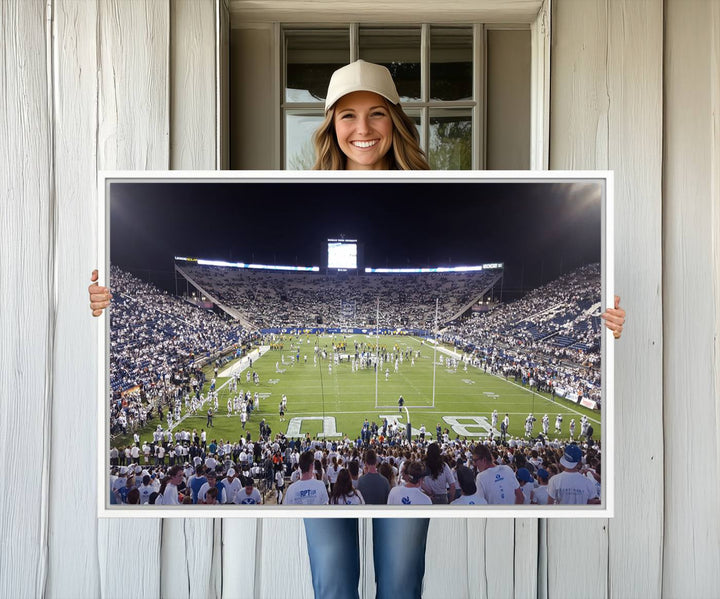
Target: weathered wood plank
x,y
692,322
282,562
27,315
477,549
132,134
187,558
499,554
133,129
578,140
635,48
526,557
74,572
193,87
446,559
239,558
608,90
577,559
578,93
190,564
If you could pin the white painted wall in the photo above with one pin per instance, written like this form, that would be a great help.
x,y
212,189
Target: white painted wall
x,y
255,130
691,272
88,85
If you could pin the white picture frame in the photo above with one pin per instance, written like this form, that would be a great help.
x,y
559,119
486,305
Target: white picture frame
x,y
604,178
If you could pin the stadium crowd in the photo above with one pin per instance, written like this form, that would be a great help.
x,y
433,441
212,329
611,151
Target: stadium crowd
x,y
184,469
291,299
550,339
156,344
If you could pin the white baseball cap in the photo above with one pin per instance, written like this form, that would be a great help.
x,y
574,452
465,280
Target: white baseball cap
x,y
361,76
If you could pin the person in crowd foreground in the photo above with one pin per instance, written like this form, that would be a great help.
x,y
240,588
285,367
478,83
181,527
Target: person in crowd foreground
x,y
571,487
364,128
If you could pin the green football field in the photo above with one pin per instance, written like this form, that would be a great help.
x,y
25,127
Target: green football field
x,y
338,402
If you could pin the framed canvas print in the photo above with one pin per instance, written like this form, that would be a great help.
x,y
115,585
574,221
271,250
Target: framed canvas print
x,y
321,344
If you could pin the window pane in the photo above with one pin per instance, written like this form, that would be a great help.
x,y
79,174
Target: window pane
x,y
451,55
399,51
311,58
299,150
450,145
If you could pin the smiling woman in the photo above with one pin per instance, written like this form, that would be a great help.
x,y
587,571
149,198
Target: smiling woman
x,y
364,130
365,127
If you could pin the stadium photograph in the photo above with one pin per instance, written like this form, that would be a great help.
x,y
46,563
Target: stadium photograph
x,y
354,343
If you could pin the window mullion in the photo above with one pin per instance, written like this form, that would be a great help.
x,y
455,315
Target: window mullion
x,y
280,153
354,41
425,85
479,127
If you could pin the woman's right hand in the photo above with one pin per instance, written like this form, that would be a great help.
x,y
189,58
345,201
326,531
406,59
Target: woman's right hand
x,y
99,296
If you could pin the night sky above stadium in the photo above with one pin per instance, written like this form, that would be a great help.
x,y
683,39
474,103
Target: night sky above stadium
x,y
539,230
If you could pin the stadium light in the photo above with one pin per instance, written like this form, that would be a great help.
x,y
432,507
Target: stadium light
x,y
492,266
222,263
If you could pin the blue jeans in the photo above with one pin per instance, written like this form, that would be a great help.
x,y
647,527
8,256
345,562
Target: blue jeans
x,y
398,554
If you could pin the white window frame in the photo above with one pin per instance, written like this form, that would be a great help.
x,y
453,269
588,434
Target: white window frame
x,y
538,20
476,106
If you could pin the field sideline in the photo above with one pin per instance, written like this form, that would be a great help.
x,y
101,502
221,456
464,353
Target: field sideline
x,y
464,400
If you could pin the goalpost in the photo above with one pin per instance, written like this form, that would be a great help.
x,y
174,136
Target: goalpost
x,y
406,405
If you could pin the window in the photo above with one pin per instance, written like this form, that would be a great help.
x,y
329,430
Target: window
x,y
437,70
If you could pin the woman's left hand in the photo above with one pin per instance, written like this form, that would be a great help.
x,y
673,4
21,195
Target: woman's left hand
x,y
614,318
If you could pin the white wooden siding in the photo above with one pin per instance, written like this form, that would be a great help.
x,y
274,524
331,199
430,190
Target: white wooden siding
x,y
691,200
635,87
133,133
73,567
27,318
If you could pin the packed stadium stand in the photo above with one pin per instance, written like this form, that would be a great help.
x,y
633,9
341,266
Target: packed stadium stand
x,y
154,335
554,332
270,298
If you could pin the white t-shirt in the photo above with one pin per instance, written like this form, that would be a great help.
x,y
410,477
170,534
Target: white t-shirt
x,y
306,492
540,495
408,496
119,483
232,488
280,479
332,473
242,498
145,492
204,489
527,490
498,485
439,485
355,499
571,488
170,496
475,499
